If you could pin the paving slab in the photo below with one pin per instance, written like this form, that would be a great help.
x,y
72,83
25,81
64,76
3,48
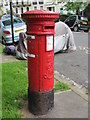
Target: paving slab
x,y
7,58
66,105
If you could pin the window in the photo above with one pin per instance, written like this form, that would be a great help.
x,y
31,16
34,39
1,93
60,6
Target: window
x,y
79,17
49,8
22,2
53,9
6,4
41,7
27,8
8,22
71,18
82,18
17,21
21,10
1,3
35,8
41,2
61,8
34,2
17,2
16,10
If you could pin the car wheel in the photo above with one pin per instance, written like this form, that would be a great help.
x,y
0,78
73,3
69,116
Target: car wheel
x,y
86,30
75,28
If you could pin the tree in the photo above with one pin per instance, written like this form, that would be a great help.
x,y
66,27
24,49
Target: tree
x,y
1,11
75,6
87,12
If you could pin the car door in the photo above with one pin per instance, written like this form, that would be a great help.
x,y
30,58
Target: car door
x,y
73,20
70,21
67,21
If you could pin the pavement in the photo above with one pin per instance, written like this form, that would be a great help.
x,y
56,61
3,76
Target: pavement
x,y
68,104
7,58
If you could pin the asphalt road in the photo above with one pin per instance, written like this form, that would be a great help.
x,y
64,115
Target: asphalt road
x,y
74,65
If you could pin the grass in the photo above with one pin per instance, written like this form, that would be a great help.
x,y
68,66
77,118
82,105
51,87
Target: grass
x,y
0,91
61,86
1,48
14,88
14,85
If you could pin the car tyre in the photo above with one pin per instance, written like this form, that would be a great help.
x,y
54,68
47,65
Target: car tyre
x,y
86,30
75,28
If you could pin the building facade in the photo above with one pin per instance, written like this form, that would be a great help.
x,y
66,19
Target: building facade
x,y
21,6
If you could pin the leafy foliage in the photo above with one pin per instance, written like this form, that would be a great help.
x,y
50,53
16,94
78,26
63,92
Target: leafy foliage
x,y
87,12
75,6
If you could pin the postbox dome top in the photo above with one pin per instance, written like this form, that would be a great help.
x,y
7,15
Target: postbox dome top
x,y
40,14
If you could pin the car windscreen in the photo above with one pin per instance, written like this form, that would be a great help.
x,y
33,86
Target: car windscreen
x,y
84,18
8,22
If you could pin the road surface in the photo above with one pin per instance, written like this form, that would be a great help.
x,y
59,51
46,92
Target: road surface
x,y
74,65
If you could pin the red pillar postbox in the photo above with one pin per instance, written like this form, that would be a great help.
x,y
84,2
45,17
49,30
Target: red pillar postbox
x,y
40,42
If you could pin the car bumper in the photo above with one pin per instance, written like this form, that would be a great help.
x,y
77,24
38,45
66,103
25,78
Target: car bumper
x,y
83,27
9,40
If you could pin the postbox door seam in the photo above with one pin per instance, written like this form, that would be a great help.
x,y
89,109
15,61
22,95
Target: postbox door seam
x,y
38,62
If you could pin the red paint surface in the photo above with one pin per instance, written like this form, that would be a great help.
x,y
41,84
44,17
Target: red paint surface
x,y
40,68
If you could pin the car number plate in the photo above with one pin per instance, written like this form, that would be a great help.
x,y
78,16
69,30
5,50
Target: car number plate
x,y
18,31
85,23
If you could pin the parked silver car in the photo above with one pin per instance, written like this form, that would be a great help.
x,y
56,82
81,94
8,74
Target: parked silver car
x,y
6,33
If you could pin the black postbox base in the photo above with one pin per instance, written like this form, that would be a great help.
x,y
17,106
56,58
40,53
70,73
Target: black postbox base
x,y
40,103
